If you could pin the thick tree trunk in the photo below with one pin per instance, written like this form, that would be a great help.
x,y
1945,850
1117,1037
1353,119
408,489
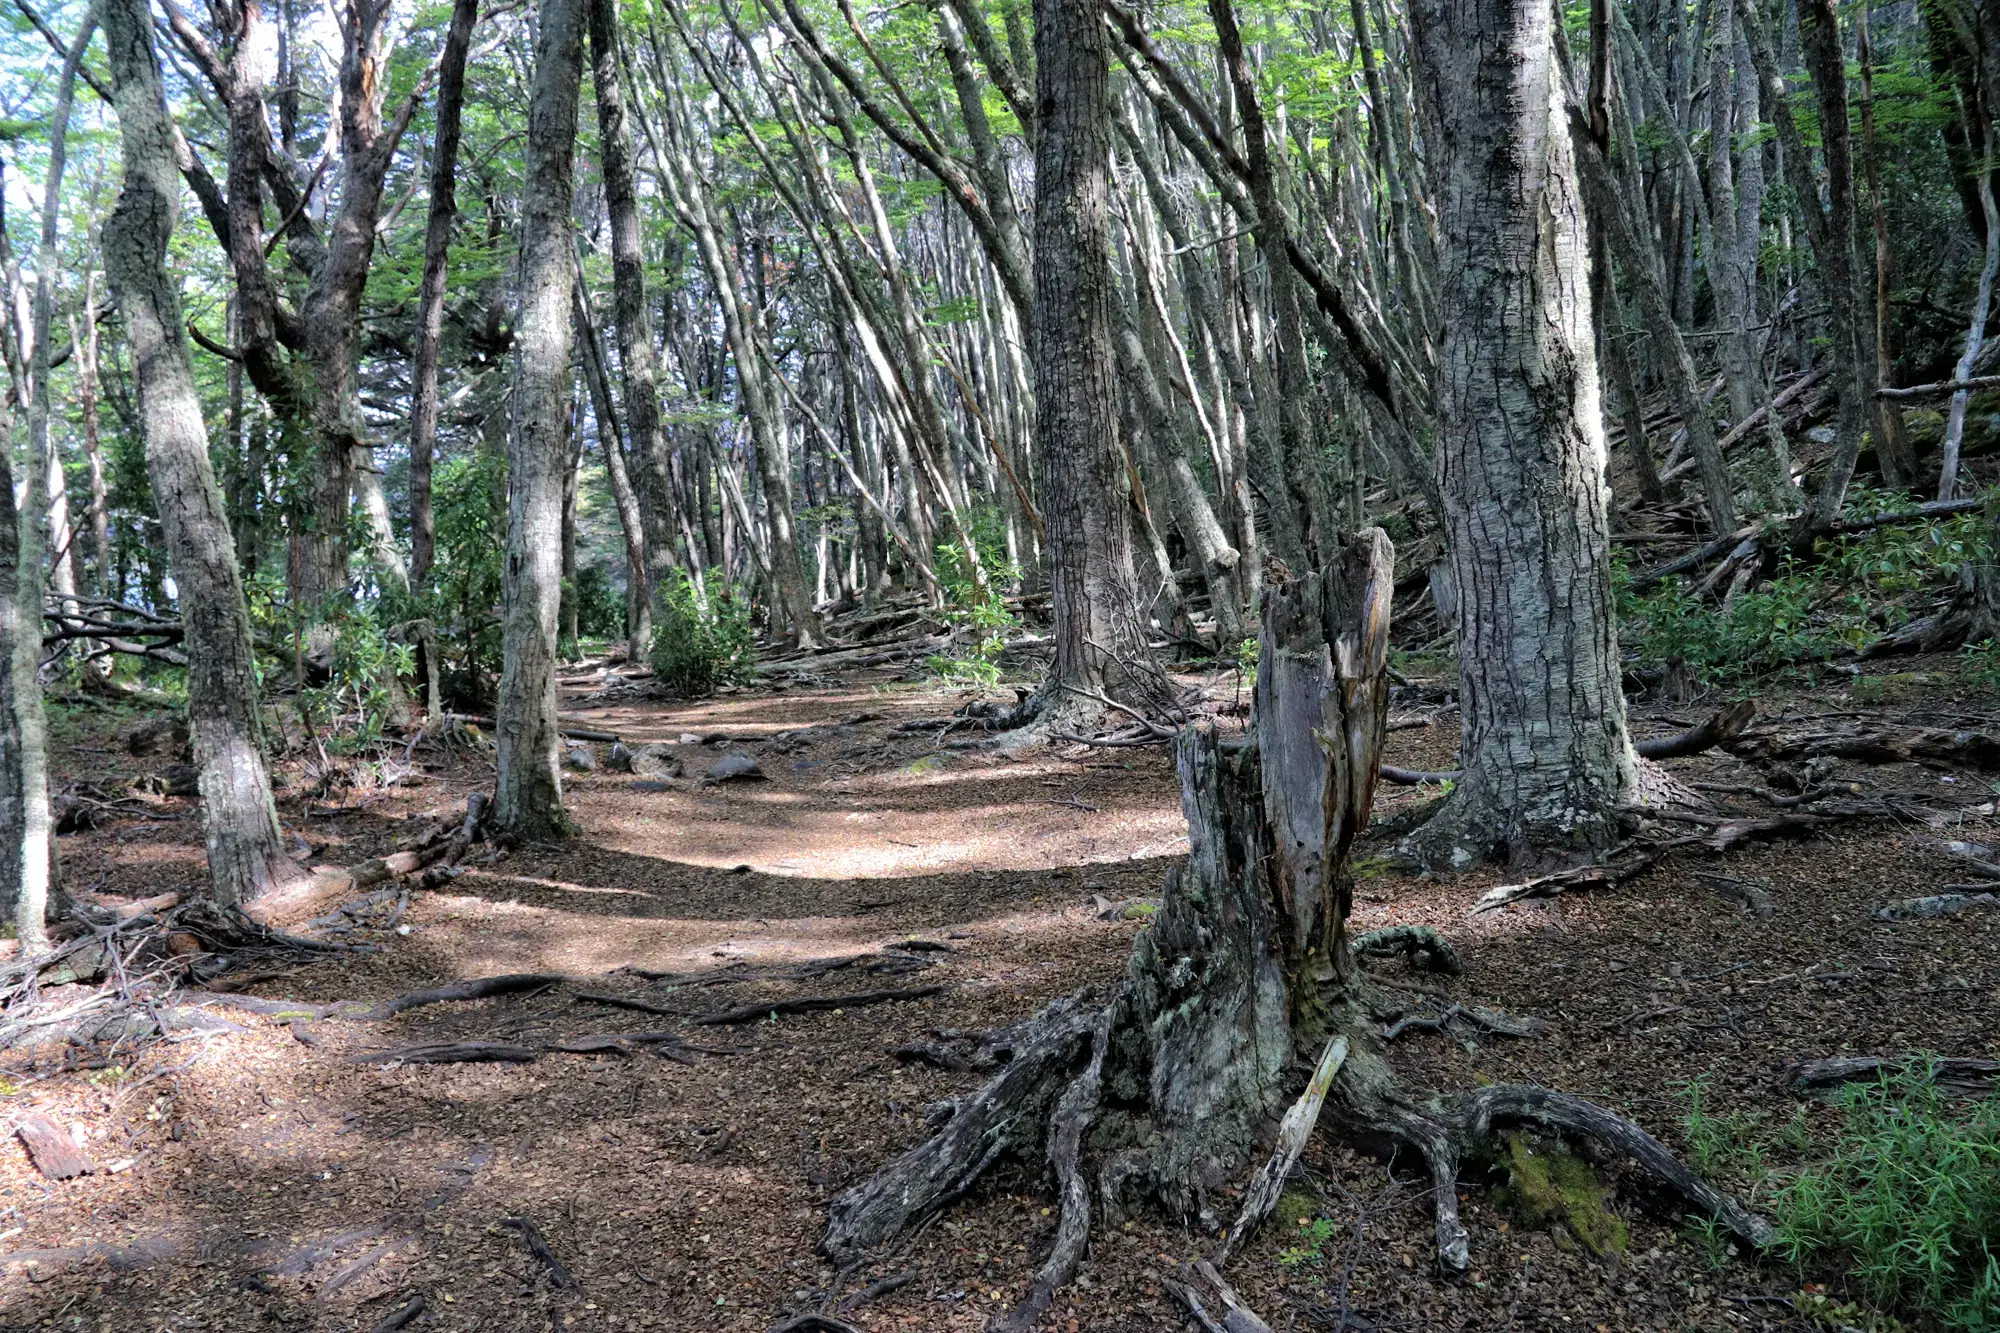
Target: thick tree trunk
x,y
246,856
1100,643
1521,448
438,222
528,799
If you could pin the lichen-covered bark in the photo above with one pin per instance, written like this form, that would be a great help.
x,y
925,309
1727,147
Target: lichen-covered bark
x,y
528,797
1520,445
246,857
1098,636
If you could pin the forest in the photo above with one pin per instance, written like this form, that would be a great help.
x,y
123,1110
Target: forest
x,y
811,667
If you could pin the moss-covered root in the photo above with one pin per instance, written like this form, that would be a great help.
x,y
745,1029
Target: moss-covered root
x,y
1554,1188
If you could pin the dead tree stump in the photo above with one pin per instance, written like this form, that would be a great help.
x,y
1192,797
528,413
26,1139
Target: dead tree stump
x,y
1173,1080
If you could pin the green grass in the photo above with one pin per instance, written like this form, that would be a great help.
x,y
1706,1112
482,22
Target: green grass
x,y
1907,1204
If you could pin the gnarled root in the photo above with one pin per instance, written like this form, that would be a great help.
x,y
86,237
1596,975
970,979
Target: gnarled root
x,y
1005,1116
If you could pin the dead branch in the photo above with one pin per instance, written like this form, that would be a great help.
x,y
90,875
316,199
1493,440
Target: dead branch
x,y
451,1053
1293,1131
1412,777
1968,1077
538,1246
480,988
1719,729
1424,948
751,1013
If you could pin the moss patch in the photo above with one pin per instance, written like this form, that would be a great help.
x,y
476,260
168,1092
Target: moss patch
x,y
1553,1187
1295,1209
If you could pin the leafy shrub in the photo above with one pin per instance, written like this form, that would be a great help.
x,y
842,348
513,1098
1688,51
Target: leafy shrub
x,y
1857,587
359,698
698,646
1908,1204
600,606
979,617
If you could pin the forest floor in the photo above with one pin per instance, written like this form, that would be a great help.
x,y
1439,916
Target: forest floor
x,y
258,1175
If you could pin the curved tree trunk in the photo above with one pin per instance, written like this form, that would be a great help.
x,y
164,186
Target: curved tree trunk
x,y
246,856
528,799
1521,448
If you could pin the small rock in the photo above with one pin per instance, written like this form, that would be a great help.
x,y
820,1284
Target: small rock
x,y
1619,965
620,758
581,759
689,738
655,761
735,766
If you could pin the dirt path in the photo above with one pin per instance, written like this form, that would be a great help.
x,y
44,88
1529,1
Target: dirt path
x,y
264,1177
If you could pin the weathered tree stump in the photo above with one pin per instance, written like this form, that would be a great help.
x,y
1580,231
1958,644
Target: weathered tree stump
x,y
1176,1078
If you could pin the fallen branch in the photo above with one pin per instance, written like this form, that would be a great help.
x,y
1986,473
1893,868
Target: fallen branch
x,y
451,1053
751,1013
1969,1077
479,988
1412,777
539,1247
1719,729
1293,1131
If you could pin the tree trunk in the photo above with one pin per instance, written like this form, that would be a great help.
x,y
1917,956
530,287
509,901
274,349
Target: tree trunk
x,y
528,799
1892,448
28,870
637,361
438,222
639,602
246,856
85,342
1100,644
1521,448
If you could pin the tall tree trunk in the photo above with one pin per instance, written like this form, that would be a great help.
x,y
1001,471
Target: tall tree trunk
x,y
639,605
1892,447
1100,644
637,361
1521,448
528,800
27,834
84,339
438,222
246,856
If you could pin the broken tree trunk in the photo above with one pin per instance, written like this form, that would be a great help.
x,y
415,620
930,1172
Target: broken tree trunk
x,y
1243,978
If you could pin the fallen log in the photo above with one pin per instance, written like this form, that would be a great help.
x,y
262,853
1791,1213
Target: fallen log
x,y
1968,1077
1293,1131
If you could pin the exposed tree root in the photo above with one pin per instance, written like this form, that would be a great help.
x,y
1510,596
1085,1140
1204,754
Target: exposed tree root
x,y
1172,1079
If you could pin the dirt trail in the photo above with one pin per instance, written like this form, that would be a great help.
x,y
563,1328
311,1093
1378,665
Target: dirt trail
x,y
264,1177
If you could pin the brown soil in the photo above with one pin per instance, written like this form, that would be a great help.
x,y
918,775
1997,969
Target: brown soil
x,y
262,1177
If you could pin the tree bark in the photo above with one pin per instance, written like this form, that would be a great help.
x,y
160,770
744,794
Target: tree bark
x,y
528,799
438,222
637,361
246,855
1100,644
1521,448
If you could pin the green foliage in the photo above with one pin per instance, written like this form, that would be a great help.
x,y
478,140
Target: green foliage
x,y
697,644
470,517
1858,587
600,607
1982,665
979,616
359,700
1908,1203
1313,1233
